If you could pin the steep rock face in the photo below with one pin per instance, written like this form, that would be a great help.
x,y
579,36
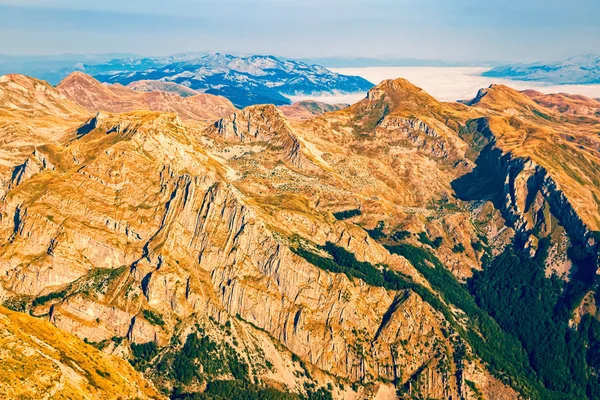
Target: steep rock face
x,y
255,277
563,145
529,196
528,190
410,319
35,163
534,204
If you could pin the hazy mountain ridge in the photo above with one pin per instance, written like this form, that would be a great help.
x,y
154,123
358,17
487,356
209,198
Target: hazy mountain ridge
x,y
580,70
52,68
308,109
94,96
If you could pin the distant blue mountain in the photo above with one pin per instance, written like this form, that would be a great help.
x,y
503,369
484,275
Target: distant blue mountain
x,y
51,68
576,70
243,80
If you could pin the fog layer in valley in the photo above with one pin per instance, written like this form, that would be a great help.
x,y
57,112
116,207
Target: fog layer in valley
x,y
446,84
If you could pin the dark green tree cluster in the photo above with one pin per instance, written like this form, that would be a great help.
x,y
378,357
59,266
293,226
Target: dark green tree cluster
x,y
435,243
458,248
243,390
50,296
377,232
153,317
200,350
341,215
515,291
400,235
142,354
343,261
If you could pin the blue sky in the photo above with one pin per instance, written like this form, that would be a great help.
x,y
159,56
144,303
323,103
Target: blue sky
x,y
459,30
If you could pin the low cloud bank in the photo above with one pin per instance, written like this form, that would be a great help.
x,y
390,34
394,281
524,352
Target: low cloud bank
x,y
336,98
445,84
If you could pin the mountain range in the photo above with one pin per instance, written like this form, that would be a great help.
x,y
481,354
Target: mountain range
x,y
397,248
243,80
579,70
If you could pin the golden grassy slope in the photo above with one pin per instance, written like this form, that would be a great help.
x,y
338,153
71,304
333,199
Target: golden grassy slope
x,y
566,103
94,96
32,113
40,361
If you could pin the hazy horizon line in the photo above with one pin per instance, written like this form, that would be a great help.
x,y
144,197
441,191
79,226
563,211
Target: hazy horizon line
x,y
338,57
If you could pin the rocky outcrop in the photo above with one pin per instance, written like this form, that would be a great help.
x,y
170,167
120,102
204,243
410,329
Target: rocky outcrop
x,y
263,124
255,123
418,133
37,162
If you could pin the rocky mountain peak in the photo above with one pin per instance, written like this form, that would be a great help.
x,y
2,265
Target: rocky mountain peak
x,y
263,124
398,95
78,78
503,99
253,123
394,85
